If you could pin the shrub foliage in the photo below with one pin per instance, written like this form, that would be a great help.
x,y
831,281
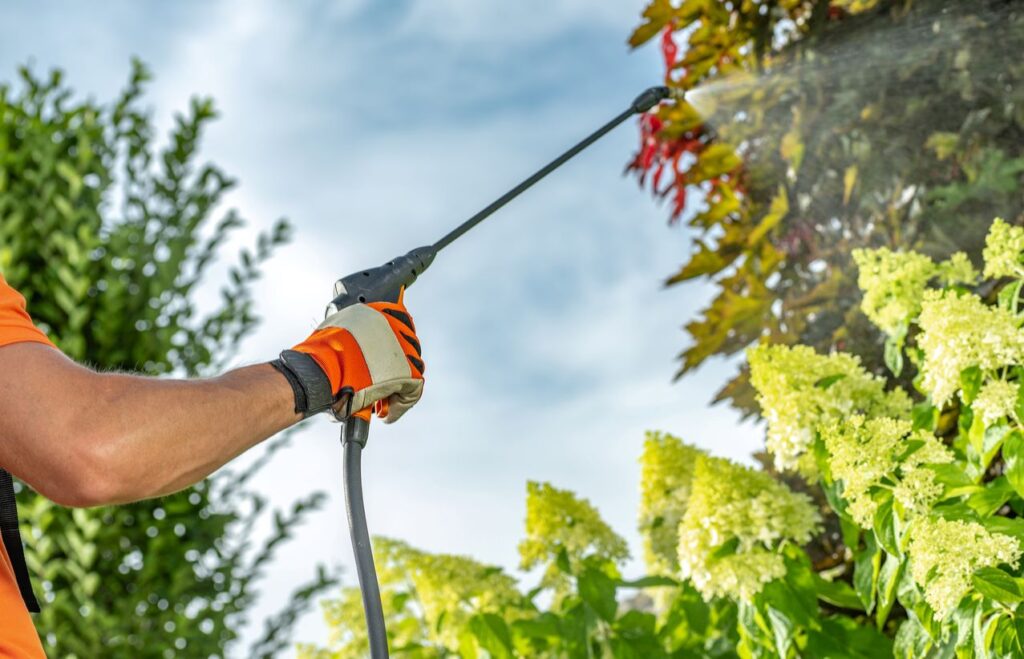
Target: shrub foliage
x,y
927,485
824,126
108,237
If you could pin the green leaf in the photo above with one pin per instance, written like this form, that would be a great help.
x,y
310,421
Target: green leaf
x,y
985,631
636,622
828,381
1004,525
794,596
970,383
782,630
598,590
1013,457
992,497
886,526
912,640
725,549
953,478
998,586
893,356
888,580
822,460
562,561
702,262
943,143
543,626
1019,407
842,636
715,160
993,441
865,572
1008,640
492,634
656,16
925,417
648,582
1009,296
838,593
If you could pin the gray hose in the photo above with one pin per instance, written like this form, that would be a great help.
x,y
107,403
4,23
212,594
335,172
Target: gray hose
x,y
354,433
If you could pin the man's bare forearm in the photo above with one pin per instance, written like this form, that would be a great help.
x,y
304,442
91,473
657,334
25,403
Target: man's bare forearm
x,y
87,438
169,434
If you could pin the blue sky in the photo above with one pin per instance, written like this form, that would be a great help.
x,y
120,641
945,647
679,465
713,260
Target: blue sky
x,y
375,127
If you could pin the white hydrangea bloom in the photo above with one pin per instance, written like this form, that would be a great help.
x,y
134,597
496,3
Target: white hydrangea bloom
x,y
794,399
864,452
730,503
957,270
995,401
893,283
1004,246
917,491
740,576
944,554
959,331
665,474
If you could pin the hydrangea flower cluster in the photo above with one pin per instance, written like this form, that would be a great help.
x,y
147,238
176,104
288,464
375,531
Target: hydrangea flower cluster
x,y
996,400
666,469
864,452
944,554
893,283
448,588
445,590
1004,247
557,520
957,270
959,331
732,504
799,390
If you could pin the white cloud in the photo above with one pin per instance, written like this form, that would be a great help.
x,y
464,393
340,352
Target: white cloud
x,y
514,24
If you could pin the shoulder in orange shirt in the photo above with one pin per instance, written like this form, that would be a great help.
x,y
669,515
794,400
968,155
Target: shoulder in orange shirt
x,y
18,637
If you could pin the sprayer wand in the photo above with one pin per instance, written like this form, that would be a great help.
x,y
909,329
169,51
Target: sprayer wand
x,y
385,284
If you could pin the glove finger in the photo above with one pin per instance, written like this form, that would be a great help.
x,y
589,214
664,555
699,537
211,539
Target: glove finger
x,y
410,345
403,400
396,311
401,316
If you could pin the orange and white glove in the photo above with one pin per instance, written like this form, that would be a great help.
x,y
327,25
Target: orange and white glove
x,y
363,356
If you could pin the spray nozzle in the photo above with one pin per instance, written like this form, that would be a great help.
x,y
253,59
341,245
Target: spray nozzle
x,y
649,98
655,95
677,94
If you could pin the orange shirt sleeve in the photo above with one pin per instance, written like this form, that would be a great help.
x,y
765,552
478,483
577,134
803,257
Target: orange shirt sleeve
x,y
18,637
15,324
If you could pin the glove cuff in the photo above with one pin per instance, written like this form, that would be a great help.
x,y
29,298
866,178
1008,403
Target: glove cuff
x,y
310,385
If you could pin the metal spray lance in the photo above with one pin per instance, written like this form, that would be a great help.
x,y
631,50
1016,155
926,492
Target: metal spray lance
x,y
385,283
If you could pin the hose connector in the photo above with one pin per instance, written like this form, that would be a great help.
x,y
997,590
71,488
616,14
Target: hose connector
x,y
649,98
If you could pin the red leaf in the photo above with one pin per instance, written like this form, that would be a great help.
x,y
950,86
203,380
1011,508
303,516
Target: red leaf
x,y
669,50
657,175
679,203
647,154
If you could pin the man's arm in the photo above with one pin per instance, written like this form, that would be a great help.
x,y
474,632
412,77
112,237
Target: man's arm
x,y
83,438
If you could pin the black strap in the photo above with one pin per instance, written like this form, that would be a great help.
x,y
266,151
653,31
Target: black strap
x,y
12,540
310,385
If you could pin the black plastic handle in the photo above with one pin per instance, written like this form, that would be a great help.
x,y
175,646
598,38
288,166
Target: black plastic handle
x,y
383,283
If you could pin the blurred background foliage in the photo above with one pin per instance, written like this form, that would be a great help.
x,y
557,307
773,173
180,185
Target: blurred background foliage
x,y
823,126
109,235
